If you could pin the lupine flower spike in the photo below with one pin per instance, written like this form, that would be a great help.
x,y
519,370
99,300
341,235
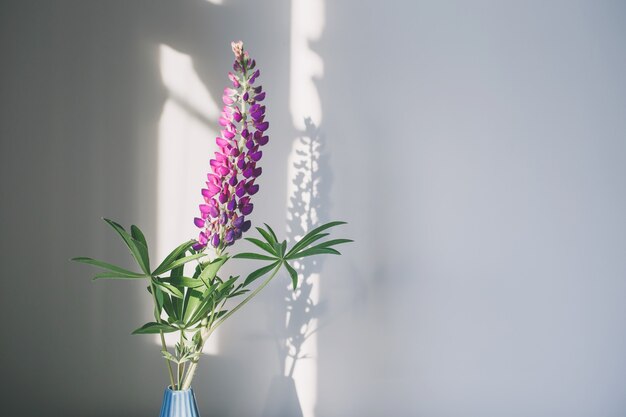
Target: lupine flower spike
x,y
231,182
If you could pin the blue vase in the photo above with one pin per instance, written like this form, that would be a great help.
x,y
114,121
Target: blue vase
x,y
179,404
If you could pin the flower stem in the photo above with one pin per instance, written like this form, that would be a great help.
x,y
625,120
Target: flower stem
x,y
207,332
157,317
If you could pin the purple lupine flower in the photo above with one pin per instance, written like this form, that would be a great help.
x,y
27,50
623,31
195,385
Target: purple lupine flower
x,y
234,169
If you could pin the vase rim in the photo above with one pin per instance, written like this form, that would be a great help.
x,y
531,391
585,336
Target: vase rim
x,y
169,388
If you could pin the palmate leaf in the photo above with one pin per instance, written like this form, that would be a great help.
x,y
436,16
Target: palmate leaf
x,y
174,255
279,252
153,328
108,266
137,248
306,239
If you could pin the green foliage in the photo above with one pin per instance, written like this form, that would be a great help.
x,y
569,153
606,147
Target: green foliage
x,y
195,303
153,328
277,253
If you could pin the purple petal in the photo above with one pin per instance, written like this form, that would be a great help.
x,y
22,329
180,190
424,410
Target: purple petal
x,y
247,209
263,140
262,126
259,97
246,225
252,190
198,222
215,240
240,191
214,211
255,156
238,221
230,236
221,142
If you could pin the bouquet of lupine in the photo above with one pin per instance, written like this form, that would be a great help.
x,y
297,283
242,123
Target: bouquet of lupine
x,y
190,295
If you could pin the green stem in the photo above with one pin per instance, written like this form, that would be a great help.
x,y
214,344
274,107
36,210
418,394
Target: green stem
x,y
179,370
209,330
157,317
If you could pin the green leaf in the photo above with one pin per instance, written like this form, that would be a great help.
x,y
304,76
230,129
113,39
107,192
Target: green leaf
x,y
260,272
227,283
237,293
314,251
193,301
177,263
251,255
283,248
271,231
314,232
184,282
137,249
159,297
294,275
262,245
137,234
268,237
306,241
153,328
117,275
169,289
209,271
169,307
175,254
105,265
333,242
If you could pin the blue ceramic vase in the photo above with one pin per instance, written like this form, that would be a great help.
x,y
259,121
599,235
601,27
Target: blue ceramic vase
x,y
179,404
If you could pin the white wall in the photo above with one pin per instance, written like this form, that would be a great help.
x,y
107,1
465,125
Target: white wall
x,y
477,149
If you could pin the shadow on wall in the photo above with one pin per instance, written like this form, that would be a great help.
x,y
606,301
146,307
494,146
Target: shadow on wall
x,y
295,319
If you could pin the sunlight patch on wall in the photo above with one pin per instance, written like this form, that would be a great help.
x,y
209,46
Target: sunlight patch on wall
x,y
184,146
307,25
